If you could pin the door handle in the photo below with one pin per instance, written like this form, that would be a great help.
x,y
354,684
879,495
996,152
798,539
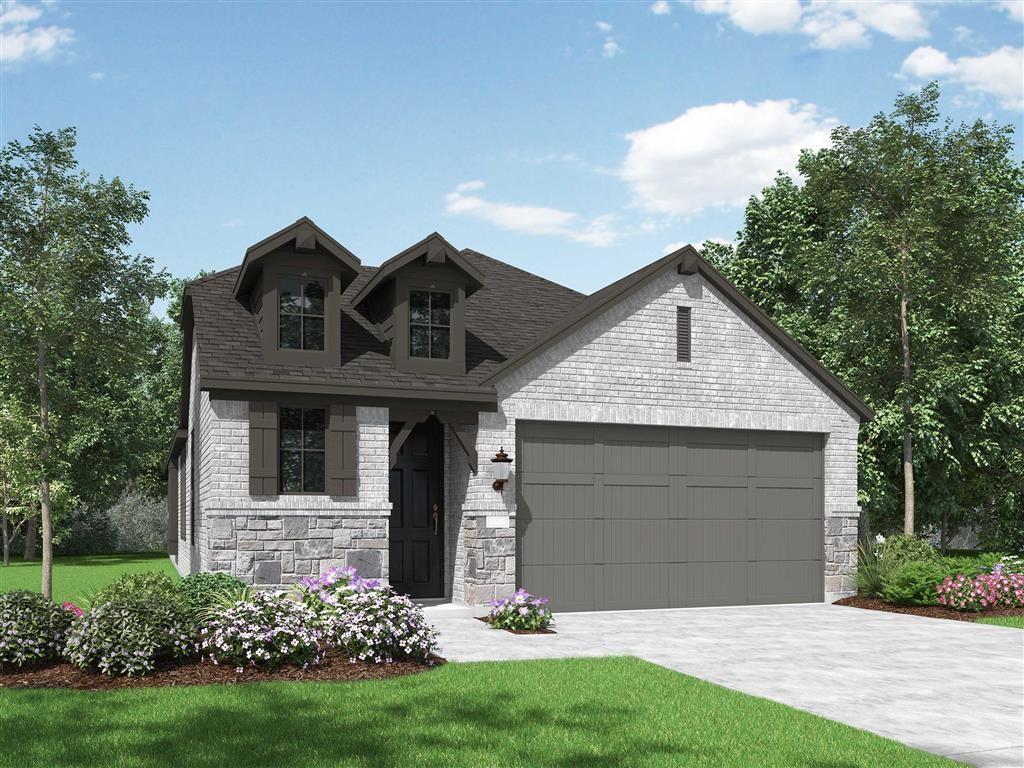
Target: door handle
x,y
435,515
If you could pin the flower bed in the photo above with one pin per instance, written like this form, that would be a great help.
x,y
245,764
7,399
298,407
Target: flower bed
x,y
522,613
145,625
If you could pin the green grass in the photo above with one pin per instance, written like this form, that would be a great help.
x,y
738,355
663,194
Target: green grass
x,y
75,576
591,713
1016,622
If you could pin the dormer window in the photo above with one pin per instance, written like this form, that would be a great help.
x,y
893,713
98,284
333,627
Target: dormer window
x,y
301,315
430,319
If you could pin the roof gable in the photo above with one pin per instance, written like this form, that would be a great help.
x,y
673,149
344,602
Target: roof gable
x,y
685,261
433,249
306,237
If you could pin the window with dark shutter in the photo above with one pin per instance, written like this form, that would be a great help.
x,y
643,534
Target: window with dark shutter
x,y
263,448
172,508
302,463
683,334
181,496
342,451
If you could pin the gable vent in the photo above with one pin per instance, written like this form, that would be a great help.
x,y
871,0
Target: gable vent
x,y
683,334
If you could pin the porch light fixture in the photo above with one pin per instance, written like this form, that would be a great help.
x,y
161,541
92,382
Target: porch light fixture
x,y
502,469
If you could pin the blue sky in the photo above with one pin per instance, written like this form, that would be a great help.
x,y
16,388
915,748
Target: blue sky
x,y
575,140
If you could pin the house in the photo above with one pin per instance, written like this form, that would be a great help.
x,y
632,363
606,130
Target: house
x,y
669,445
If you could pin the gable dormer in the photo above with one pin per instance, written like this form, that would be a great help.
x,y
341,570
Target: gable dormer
x,y
292,282
418,301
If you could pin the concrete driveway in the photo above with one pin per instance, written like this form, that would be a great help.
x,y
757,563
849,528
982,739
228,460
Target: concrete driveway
x,y
948,687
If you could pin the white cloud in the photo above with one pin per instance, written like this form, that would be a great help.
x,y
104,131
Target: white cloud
x,y
999,73
97,75
661,8
719,154
673,247
1013,8
603,26
610,49
530,219
829,23
757,18
22,38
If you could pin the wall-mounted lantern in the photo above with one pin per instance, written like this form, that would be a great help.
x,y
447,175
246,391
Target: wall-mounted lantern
x,y
502,469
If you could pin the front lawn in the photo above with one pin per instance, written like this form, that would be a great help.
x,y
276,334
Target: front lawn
x,y
1016,622
78,575
576,712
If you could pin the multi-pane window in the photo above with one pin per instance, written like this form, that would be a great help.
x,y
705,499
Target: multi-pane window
x,y
430,316
302,451
301,305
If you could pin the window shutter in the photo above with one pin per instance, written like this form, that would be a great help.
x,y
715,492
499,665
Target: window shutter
x,y
683,334
181,495
342,451
262,448
172,508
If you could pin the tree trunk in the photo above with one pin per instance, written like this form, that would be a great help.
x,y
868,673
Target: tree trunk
x,y
30,537
908,446
45,508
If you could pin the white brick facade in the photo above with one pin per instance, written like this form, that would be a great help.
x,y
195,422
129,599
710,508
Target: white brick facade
x,y
621,368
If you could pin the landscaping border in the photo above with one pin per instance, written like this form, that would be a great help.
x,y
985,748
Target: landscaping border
x,y
929,611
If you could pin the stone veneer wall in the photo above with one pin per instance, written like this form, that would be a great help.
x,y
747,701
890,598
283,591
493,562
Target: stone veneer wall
x,y
276,540
621,368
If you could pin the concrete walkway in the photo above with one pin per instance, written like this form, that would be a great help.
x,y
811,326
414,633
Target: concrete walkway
x,y
949,687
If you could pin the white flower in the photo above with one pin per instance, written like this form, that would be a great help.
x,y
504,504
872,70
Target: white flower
x,y
879,539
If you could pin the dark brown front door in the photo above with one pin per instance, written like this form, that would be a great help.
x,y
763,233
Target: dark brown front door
x,y
417,516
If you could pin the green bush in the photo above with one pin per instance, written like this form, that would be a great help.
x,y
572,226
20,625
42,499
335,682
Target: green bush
x,y
31,628
203,591
138,586
129,636
900,549
913,582
872,571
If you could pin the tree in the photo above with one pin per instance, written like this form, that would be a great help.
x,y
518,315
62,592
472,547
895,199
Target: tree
x,y
899,264
16,509
75,315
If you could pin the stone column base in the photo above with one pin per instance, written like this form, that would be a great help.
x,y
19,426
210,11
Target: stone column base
x,y
841,554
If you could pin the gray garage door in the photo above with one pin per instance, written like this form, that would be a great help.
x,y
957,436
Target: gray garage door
x,y
618,517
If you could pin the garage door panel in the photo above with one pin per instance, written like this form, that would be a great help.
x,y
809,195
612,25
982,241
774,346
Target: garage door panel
x,y
648,517
549,500
785,456
786,503
709,459
570,587
635,541
637,457
704,541
716,502
566,542
694,585
635,585
635,502
786,582
786,539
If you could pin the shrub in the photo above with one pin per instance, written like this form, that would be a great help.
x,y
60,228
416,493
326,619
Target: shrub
x,y
322,592
130,635
900,549
987,590
521,611
376,624
913,582
872,571
202,591
138,586
266,630
32,628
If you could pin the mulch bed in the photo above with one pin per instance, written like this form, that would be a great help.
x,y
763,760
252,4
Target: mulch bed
x,y
332,669
931,611
487,620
